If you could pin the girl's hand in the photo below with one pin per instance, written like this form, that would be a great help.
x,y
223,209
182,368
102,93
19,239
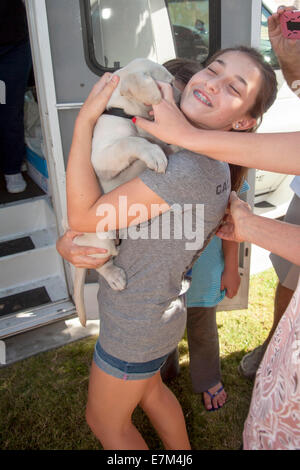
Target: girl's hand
x,y
98,98
79,256
230,280
235,220
169,122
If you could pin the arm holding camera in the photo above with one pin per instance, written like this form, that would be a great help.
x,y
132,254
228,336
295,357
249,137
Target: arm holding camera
x,y
287,50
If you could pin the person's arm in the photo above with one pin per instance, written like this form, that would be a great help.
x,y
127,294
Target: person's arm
x,y
272,152
278,237
88,209
230,279
287,50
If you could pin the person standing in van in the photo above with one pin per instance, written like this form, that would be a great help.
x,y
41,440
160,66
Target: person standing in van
x,y
15,66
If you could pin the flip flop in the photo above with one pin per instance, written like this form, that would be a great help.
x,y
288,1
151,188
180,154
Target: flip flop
x,y
212,396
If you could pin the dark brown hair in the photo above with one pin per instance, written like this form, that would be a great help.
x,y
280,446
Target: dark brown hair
x,y
183,69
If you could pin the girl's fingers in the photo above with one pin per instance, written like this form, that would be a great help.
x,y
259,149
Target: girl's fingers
x,y
145,124
87,262
283,8
166,91
82,250
101,83
233,197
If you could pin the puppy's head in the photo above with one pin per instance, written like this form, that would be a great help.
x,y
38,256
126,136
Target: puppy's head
x,y
137,90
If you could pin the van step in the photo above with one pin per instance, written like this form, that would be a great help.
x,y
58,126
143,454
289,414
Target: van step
x,y
54,285
10,247
32,190
25,217
55,335
24,300
29,319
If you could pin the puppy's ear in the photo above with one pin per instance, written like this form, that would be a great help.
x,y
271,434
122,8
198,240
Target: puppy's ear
x,y
140,86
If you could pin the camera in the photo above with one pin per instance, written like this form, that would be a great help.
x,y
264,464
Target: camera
x,y
290,24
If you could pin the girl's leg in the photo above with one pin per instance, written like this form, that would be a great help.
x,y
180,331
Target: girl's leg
x,y
165,414
111,402
203,341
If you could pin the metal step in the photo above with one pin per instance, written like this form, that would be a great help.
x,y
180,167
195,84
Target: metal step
x,y
21,321
33,290
29,268
23,217
45,338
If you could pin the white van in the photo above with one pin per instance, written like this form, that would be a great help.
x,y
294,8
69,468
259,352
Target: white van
x,y
73,42
272,190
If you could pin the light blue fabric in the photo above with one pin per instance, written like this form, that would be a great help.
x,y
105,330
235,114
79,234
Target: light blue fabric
x,y
206,273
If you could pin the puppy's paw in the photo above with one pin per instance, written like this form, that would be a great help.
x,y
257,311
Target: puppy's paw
x,y
155,159
116,278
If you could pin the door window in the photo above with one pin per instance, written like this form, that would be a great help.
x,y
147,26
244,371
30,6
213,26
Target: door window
x,y
118,31
265,44
121,31
190,23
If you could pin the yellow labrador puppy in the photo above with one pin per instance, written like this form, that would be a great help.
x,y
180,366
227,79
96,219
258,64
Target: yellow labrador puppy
x,y
120,152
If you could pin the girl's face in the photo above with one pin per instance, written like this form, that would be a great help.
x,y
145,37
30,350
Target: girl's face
x,y
219,96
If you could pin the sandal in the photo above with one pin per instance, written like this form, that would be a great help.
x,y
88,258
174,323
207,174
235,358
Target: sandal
x,y
212,396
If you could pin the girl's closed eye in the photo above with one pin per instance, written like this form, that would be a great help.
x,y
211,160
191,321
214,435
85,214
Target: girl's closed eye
x,y
235,90
212,70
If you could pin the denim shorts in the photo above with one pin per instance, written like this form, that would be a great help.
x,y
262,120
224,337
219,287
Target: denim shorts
x,y
126,370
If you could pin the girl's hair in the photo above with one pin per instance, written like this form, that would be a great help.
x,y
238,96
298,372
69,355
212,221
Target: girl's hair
x,y
184,69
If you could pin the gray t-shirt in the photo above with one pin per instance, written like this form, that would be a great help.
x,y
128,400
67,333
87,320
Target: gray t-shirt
x,y
147,319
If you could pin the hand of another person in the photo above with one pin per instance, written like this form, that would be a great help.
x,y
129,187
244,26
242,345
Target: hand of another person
x,y
169,122
238,213
287,50
230,280
79,256
98,98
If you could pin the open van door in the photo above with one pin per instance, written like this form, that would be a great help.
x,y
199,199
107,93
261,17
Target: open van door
x,y
74,42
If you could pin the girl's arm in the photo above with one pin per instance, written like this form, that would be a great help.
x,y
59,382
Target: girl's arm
x,y
84,198
230,279
271,152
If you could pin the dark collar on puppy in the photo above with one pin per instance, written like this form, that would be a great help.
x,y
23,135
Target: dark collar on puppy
x,y
118,112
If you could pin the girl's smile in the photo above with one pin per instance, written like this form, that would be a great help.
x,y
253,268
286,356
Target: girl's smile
x,y
202,97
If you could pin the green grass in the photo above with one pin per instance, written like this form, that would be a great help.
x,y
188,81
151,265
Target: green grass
x,y
42,399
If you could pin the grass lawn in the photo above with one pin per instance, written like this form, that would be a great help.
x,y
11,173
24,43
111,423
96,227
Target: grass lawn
x,y
42,399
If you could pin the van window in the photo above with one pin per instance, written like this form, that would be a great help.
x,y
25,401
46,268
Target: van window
x,y
117,31
265,44
121,31
190,23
